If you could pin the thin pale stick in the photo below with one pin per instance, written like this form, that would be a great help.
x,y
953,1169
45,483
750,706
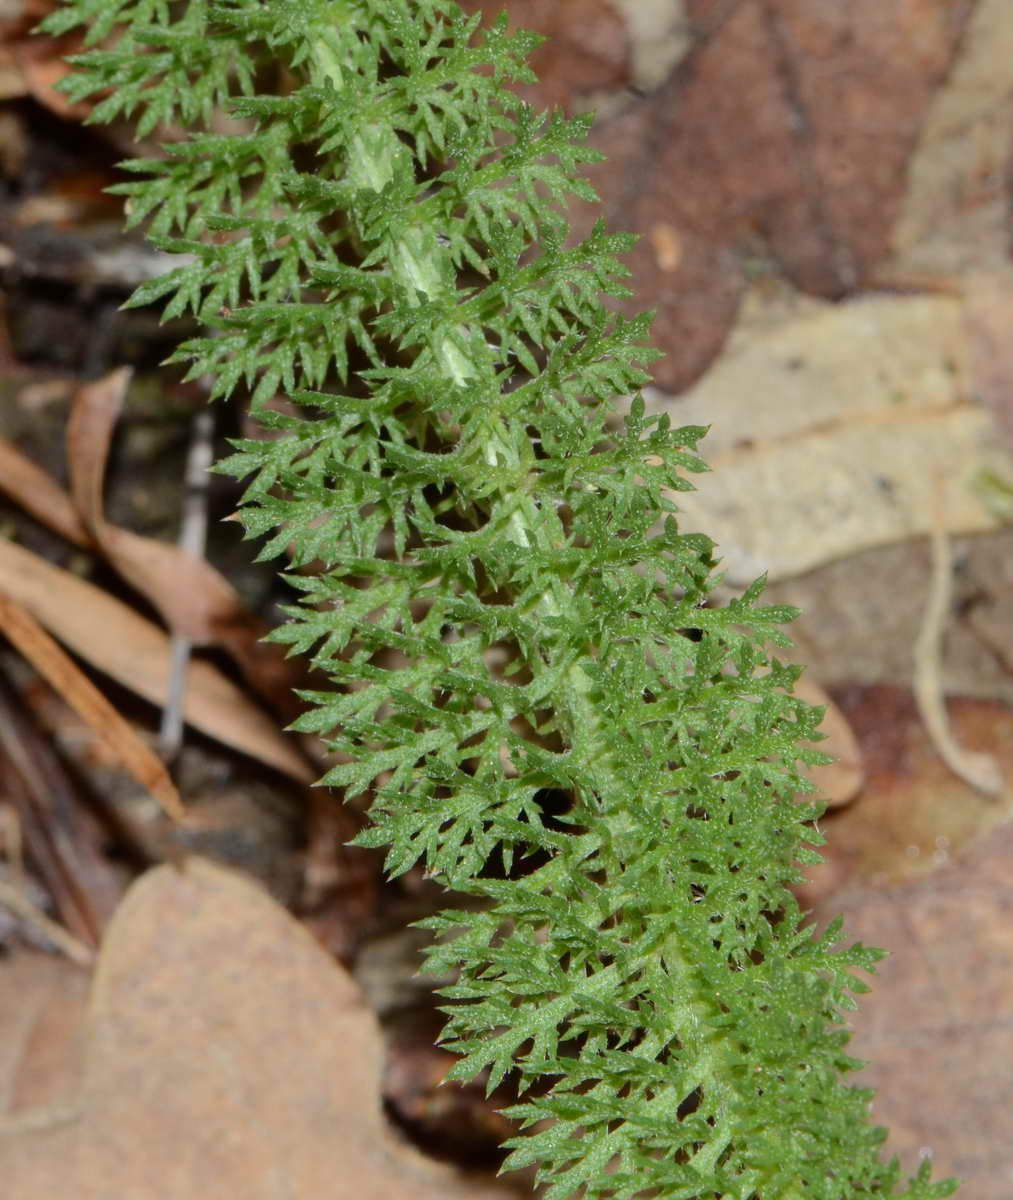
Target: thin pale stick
x,y
193,538
981,771
62,939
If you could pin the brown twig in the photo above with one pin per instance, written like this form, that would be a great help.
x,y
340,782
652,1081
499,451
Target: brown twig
x,y
50,660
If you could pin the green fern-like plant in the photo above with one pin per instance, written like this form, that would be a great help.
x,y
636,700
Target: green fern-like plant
x,y
507,609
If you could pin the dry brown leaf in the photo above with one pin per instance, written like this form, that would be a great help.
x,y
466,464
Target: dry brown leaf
x,y
227,1056
190,594
921,864
13,84
38,61
43,1001
937,1028
955,216
39,494
53,829
587,48
860,617
134,652
913,814
88,702
988,317
778,145
42,67
195,600
830,430
31,64
839,781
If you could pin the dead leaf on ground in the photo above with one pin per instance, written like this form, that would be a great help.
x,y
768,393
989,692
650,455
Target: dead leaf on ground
x,y
193,597
840,781
778,145
42,64
587,48
113,638
43,1001
30,64
195,600
227,1056
988,320
189,593
920,863
21,628
956,211
830,432
35,490
937,1027
66,842
861,615
914,814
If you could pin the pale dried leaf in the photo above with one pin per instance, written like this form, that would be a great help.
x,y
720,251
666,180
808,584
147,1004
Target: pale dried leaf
x,y
227,1056
43,999
134,652
190,594
913,814
38,493
839,781
195,600
830,429
988,317
955,215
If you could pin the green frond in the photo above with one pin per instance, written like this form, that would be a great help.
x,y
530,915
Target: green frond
x,y
504,602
